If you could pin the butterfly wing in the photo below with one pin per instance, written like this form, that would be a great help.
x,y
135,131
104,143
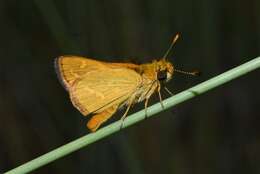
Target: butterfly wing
x,y
100,89
71,68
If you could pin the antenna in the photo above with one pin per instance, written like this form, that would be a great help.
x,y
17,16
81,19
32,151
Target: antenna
x,y
173,42
192,73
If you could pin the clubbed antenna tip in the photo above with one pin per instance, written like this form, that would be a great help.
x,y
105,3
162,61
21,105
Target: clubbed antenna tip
x,y
176,38
197,73
173,42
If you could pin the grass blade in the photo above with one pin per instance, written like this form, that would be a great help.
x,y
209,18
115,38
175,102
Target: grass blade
x,y
136,117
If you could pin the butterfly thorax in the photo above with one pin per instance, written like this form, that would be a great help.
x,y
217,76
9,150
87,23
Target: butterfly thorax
x,y
152,75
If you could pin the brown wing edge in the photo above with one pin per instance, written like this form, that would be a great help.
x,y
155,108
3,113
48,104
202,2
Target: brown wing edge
x,y
59,72
77,104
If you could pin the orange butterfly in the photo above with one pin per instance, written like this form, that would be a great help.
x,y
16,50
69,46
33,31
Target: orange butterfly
x,y
101,88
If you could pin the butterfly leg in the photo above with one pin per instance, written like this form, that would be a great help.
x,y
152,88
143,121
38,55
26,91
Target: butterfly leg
x,y
159,93
94,123
125,114
145,107
169,92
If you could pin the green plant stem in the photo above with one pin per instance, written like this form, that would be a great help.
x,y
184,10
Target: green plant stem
x,y
136,117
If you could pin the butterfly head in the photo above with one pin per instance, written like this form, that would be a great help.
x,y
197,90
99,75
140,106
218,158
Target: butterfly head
x,y
164,70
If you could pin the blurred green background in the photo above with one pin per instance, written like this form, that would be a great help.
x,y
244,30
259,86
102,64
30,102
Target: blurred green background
x,y
217,132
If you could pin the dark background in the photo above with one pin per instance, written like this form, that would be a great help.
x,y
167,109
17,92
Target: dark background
x,y
217,132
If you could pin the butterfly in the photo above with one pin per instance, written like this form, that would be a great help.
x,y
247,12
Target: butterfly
x,y
100,88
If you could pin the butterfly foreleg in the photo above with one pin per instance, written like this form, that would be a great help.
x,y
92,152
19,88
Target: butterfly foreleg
x,y
167,90
159,93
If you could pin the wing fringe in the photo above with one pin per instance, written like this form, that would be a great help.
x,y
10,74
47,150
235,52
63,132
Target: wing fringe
x,y
59,73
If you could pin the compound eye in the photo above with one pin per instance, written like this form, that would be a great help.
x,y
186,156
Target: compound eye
x,y
162,75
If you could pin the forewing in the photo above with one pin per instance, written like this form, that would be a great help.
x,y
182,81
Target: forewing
x,y
98,90
72,68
